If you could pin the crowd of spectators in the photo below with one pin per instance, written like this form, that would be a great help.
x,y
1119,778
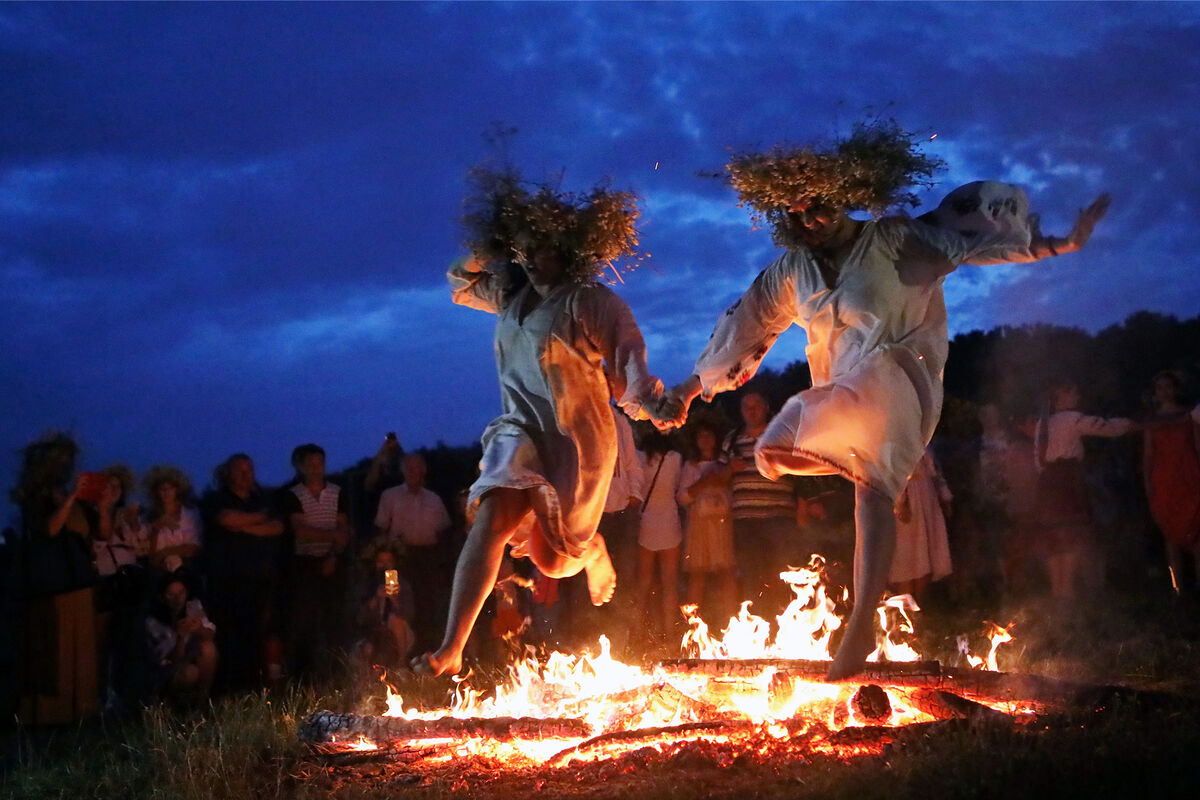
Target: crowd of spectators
x,y
126,593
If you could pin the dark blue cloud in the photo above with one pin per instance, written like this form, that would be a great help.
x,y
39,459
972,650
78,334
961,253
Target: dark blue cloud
x,y
224,226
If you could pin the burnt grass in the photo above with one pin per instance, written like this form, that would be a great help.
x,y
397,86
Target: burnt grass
x,y
1123,745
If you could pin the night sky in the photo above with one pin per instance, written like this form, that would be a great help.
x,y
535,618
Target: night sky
x,y
225,227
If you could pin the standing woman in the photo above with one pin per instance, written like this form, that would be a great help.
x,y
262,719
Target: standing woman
x,y
56,575
868,294
1063,513
659,531
176,532
1171,471
119,546
565,347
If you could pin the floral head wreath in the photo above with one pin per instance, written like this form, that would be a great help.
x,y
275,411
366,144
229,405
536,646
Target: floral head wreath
x,y
592,232
165,473
873,169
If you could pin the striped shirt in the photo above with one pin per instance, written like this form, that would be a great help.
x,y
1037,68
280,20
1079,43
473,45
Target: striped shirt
x,y
755,497
320,511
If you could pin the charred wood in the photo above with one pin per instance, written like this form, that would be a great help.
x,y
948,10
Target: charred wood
x,y
941,704
871,703
596,742
328,726
888,673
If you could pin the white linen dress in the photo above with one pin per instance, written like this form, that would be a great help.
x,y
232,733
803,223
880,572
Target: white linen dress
x,y
877,343
556,434
660,528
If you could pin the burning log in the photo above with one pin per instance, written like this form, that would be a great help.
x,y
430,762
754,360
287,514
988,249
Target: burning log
x,y
888,673
941,704
966,683
871,703
1018,686
596,742
323,727
643,698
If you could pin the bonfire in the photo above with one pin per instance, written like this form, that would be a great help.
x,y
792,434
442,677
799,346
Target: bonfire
x,y
757,687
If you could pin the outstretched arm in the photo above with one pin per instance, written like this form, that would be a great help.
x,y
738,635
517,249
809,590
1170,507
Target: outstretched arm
x,y
1043,246
743,335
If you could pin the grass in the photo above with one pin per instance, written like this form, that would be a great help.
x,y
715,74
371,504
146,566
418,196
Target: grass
x,y
245,748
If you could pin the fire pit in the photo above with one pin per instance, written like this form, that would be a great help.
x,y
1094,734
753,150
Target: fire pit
x,y
758,688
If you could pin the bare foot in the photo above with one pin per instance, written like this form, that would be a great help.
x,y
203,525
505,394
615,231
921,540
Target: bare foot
x,y
601,577
851,656
437,663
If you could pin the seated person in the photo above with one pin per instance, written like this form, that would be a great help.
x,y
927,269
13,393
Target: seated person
x,y
385,611
181,642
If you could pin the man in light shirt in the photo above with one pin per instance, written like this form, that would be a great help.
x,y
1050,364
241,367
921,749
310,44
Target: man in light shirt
x,y
415,518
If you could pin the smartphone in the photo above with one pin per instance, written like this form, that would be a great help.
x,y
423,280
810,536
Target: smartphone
x,y
391,582
91,486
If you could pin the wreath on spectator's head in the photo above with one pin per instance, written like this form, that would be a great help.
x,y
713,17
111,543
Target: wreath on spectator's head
x,y
165,473
873,169
591,231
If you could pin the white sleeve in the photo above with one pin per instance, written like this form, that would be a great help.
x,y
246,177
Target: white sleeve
x,y
475,288
609,325
979,249
383,512
443,516
1100,426
748,328
627,458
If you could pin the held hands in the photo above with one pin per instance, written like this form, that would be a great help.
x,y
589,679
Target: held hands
x,y
1085,223
671,410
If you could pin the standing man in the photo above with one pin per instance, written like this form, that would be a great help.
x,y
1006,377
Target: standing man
x,y
414,518
316,513
869,297
243,552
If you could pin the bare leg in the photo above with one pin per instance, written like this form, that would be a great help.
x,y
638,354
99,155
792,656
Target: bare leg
x,y
598,567
206,664
499,513
645,580
874,544
668,565
727,600
696,587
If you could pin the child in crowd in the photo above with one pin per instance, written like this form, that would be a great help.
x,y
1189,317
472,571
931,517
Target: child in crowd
x,y
181,642
660,532
385,611
708,551
1062,511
